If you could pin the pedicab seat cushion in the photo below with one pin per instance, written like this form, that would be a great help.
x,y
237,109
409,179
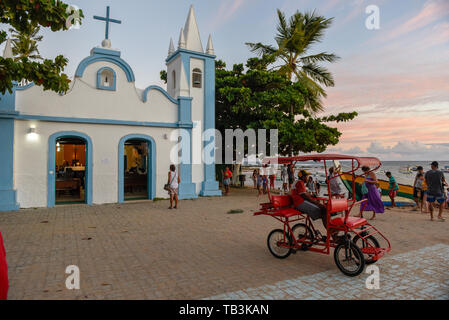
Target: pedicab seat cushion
x,y
281,201
337,205
287,213
352,222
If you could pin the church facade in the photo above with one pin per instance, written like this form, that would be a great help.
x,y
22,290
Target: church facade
x,y
106,141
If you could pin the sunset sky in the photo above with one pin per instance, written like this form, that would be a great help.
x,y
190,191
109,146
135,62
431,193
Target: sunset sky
x,y
396,77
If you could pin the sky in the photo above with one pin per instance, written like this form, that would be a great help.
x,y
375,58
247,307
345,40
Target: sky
x,y
396,77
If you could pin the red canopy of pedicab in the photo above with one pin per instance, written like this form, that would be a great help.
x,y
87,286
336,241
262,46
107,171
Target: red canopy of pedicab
x,y
370,162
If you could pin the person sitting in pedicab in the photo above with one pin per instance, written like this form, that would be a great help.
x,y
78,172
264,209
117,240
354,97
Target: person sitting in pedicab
x,y
303,201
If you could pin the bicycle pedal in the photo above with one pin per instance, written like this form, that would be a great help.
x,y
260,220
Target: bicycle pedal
x,y
304,247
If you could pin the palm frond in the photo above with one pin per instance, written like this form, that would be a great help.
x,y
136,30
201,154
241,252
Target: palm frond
x,y
319,74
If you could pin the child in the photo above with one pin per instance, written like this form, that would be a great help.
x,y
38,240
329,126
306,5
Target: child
x,y
418,193
393,189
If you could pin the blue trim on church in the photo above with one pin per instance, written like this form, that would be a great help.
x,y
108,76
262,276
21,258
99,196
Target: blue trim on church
x,y
157,88
52,163
8,196
187,189
99,54
210,187
112,87
151,171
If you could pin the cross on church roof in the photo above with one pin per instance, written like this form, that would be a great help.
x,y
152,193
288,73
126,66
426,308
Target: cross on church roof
x,y
108,20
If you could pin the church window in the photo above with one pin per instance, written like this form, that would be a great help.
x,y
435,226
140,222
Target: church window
x,y
174,79
106,79
197,78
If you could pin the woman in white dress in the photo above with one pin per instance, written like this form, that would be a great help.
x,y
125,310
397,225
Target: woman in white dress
x,y
173,180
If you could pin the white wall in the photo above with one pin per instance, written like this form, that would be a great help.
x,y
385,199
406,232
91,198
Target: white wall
x,y
197,117
85,101
31,159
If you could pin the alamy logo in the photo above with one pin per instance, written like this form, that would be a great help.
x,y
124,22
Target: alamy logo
x,y
73,280
373,281
373,20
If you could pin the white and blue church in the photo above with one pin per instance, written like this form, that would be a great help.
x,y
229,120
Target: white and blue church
x,y
105,140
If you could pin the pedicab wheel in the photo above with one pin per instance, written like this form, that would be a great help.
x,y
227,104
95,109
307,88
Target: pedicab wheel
x,y
363,244
275,240
349,259
302,231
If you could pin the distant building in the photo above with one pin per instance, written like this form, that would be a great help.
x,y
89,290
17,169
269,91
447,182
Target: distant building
x,y
106,141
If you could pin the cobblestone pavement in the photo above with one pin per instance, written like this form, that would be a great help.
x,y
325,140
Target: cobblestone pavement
x,y
420,274
142,250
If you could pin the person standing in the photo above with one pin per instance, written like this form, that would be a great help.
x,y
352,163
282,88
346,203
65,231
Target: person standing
x,y
392,189
227,175
173,181
333,182
375,203
259,183
291,176
417,188
272,172
418,191
311,186
435,190
254,177
284,178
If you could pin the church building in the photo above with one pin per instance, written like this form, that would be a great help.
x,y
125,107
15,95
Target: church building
x,y
106,141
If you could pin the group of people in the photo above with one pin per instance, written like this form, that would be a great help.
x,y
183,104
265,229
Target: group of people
x,y
262,179
428,191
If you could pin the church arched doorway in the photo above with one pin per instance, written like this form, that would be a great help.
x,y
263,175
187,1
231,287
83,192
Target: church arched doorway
x,y
136,168
69,169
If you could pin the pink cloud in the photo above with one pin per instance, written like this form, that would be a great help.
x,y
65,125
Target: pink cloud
x,y
432,11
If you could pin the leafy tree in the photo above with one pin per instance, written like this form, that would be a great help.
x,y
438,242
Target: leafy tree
x,y
25,43
26,15
294,40
262,98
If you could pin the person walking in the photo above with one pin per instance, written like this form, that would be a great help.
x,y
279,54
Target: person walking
x,y
392,189
173,184
435,193
375,203
417,188
227,175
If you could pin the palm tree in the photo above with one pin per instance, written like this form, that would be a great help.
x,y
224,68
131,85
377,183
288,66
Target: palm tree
x,y
294,40
24,44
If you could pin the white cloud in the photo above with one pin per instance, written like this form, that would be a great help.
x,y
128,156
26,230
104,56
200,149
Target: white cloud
x,y
402,151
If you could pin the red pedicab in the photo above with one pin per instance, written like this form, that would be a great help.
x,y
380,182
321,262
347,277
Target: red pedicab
x,y
355,240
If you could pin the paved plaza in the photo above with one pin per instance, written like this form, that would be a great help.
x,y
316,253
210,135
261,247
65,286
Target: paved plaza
x,y
142,250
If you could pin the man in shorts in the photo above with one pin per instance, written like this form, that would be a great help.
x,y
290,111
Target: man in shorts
x,y
303,201
435,189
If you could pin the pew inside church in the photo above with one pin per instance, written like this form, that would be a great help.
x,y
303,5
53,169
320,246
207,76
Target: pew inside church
x,y
70,168
136,170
